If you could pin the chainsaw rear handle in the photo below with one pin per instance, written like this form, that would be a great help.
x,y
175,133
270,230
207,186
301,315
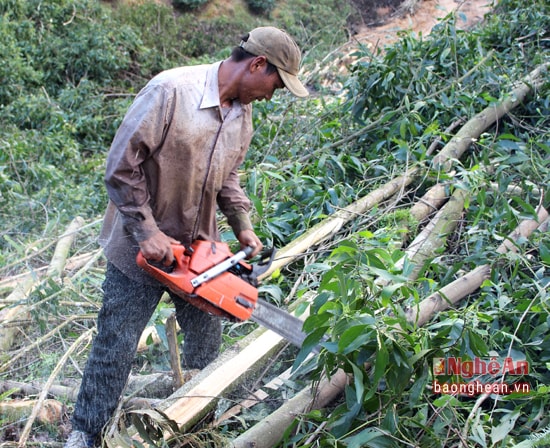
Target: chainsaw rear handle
x,y
248,250
206,274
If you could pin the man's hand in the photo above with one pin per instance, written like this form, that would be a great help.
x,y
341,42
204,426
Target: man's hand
x,y
159,248
249,238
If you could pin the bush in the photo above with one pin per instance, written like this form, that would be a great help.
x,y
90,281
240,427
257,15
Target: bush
x,y
189,5
261,6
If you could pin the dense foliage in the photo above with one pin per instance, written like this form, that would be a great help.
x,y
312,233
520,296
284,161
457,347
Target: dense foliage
x,y
403,99
71,69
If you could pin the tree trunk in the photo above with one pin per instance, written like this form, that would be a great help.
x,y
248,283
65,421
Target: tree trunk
x,y
268,432
455,291
435,234
469,133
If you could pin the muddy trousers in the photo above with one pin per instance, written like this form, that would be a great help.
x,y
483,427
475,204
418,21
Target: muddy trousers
x,y
126,310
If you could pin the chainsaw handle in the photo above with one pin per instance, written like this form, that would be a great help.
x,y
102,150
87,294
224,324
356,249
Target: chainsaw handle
x,y
248,250
163,267
177,249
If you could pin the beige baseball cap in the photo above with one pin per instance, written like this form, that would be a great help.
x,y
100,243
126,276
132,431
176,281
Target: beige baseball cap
x,y
281,51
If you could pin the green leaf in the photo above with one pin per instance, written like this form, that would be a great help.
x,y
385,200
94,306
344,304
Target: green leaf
x,y
310,342
446,400
381,362
544,252
363,438
352,338
387,293
507,423
528,208
358,382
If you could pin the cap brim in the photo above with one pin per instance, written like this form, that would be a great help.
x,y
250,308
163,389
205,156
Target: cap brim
x,y
293,84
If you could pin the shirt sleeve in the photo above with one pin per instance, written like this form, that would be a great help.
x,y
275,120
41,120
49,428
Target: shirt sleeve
x,y
139,135
232,200
235,205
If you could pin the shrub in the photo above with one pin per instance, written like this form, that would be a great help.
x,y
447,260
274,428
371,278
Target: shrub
x,y
261,6
189,5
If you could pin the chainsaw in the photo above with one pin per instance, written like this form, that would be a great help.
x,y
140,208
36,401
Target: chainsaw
x,y
210,277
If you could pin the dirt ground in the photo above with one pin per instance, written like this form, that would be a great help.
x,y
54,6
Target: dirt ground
x,y
378,25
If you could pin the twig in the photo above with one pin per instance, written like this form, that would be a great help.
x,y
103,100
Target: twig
x,y
75,262
175,358
477,405
36,343
438,140
58,261
46,247
27,430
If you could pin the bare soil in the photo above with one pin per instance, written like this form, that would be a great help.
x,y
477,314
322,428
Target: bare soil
x,y
378,22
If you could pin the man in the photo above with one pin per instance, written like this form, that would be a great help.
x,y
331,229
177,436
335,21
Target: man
x,y
172,162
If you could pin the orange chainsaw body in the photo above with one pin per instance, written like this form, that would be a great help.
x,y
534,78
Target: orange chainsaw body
x,y
226,294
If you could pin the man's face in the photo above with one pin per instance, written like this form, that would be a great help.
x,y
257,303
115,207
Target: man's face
x,y
258,84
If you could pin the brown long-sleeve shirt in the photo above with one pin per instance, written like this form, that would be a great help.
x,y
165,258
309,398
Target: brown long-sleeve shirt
x,y
173,160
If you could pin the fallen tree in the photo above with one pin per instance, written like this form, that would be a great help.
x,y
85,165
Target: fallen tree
x,y
268,432
450,294
469,133
9,316
333,224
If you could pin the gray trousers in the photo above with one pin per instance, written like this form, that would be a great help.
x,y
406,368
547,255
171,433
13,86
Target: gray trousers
x,y
127,308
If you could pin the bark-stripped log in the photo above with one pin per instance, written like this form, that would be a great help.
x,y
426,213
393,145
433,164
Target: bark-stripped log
x,y
450,294
469,133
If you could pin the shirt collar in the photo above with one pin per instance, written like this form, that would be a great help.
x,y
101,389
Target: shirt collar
x,y
211,96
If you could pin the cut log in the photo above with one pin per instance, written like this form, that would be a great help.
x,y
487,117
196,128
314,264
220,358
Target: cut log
x,y
30,389
187,410
434,235
268,432
465,285
10,315
432,201
50,412
62,248
153,386
469,133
